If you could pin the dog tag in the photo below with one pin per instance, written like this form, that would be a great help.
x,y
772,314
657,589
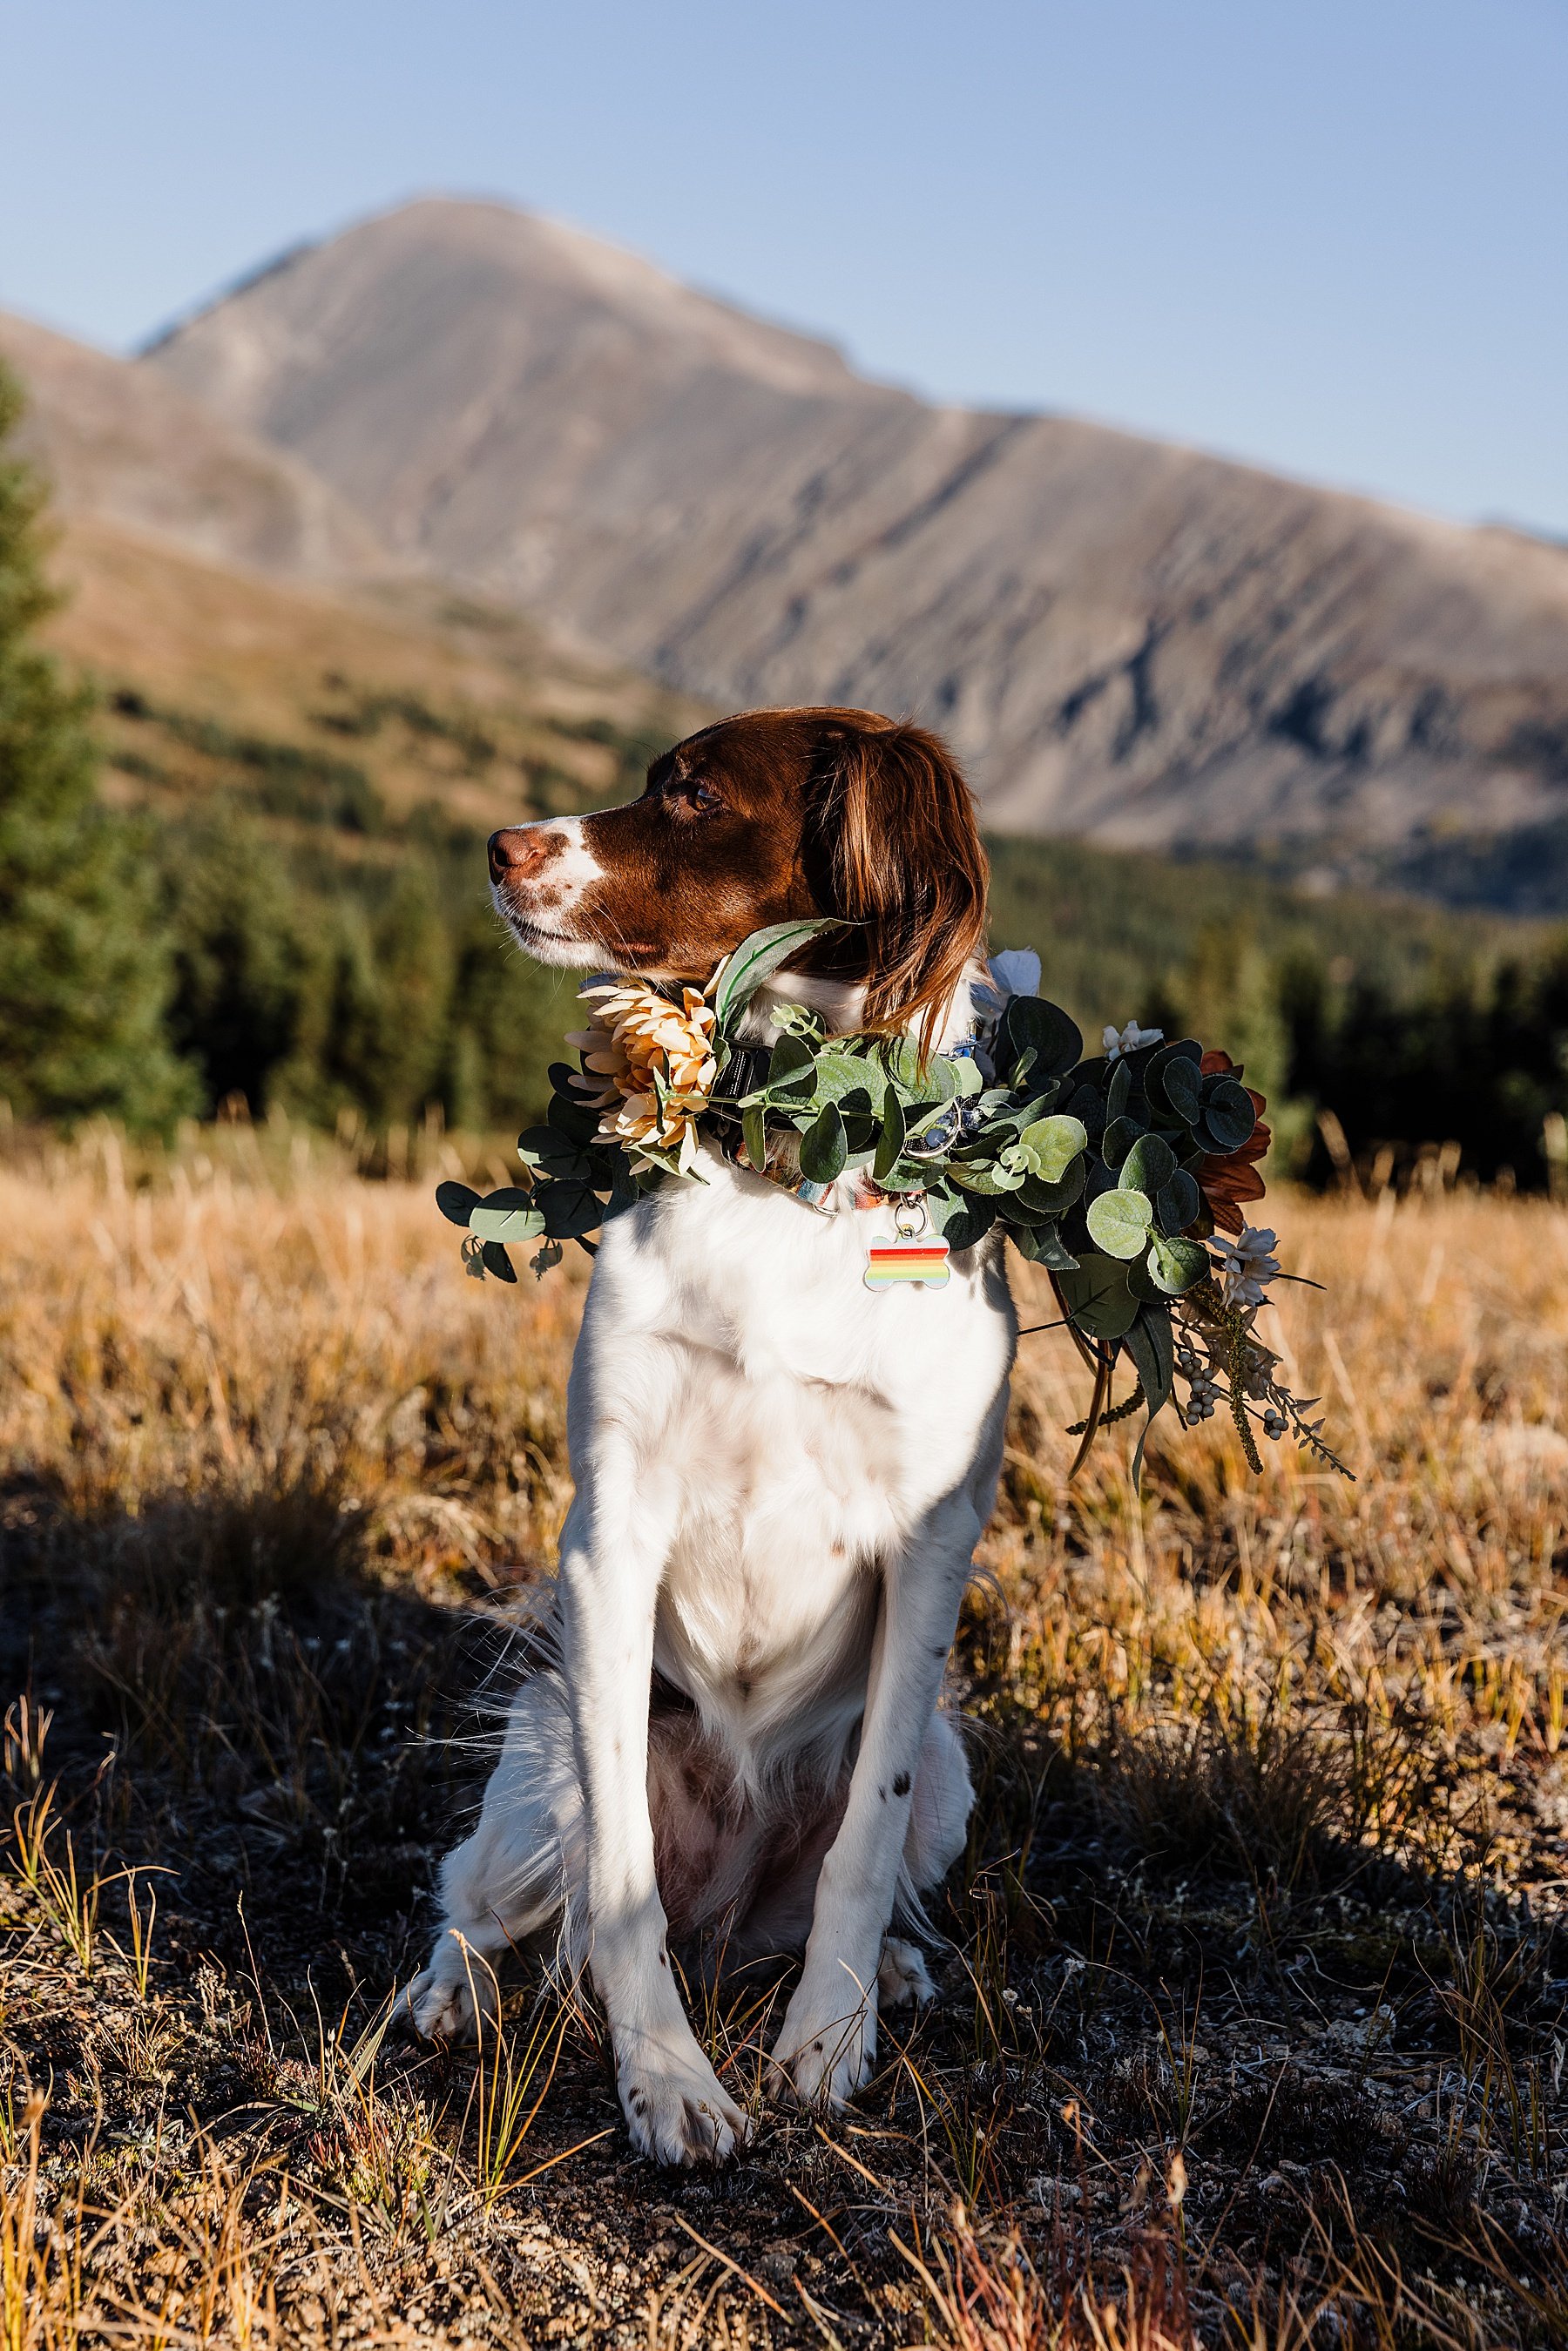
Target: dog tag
x,y
912,1254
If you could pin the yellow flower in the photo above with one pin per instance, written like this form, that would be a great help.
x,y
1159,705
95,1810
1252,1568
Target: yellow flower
x,y
638,1035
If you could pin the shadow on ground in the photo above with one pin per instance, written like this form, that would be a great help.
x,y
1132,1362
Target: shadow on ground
x,y
1203,2023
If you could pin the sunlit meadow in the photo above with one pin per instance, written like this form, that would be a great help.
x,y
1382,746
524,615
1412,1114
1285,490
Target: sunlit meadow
x,y
1252,2026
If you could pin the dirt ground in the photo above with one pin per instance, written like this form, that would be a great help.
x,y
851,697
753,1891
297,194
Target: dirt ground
x,y
1253,1986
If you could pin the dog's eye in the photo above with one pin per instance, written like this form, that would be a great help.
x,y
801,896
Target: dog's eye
x,y
703,797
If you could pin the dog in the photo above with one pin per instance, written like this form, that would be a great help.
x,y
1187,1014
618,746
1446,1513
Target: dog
x,y
780,1476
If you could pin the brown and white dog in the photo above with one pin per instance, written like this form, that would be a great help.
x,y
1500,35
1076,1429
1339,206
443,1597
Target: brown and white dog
x,y
780,1474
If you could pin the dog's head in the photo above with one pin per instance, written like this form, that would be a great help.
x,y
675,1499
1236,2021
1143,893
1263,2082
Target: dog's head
x,y
772,816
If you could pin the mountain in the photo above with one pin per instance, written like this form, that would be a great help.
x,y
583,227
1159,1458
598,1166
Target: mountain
x,y
1127,640
344,717
126,444
251,634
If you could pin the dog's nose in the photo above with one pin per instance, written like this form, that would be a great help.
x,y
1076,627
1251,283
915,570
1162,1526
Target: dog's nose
x,y
517,852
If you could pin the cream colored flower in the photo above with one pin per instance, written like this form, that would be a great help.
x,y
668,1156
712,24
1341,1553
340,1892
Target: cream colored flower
x,y
639,1036
1118,1042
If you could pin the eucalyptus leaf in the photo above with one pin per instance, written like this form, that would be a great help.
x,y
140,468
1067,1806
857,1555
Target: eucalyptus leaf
x,y
1182,1091
754,1135
962,1222
1143,1283
1172,1079
1032,1023
574,1120
939,1085
823,1150
800,1020
1175,1264
1152,1347
1099,1298
755,961
570,1210
1118,1089
1118,1140
1036,1101
1149,1166
497,1262
457,1202
1177,1204
1044,1199
1043,1245
1056,1143
508,1214
1097,1178
1088,1104
890,1145
901,1061
1119,1223
979,1177
1228,1115
842,1076
790,1065
1149,1343
567,1159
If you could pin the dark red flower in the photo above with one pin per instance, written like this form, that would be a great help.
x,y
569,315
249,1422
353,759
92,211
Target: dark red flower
x,y
1229,1179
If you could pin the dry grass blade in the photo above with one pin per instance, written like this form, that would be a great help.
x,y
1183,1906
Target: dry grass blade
x,y
1268,1867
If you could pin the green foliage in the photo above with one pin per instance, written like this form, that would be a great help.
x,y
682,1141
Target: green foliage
x,y
384,990
1413,1024
1124,933
84,970
299,943
240,957
1087,1163
1479,1056
286,779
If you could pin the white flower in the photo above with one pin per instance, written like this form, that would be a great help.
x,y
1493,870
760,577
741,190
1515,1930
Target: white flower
x,y
1246,1265
1015,972
1118,1042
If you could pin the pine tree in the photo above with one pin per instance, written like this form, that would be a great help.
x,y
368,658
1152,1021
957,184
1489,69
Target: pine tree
x,y
243,957
84,972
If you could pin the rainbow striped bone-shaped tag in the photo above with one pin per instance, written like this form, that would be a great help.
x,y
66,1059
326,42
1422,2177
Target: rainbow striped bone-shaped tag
x,y
912,1254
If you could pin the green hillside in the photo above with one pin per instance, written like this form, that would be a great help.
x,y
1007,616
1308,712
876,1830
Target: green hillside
x,y
305,783
1117,929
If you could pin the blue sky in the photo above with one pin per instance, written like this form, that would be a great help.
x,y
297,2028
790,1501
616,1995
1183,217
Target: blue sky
x,y
1329,238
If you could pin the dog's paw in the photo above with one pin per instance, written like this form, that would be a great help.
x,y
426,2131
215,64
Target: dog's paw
x,y
449,2001
675,2110
904,1976
826,2048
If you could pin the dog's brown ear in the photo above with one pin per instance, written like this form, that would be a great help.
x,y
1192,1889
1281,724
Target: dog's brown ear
x,y
897,823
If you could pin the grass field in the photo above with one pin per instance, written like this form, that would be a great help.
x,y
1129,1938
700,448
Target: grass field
x,y
1253,2014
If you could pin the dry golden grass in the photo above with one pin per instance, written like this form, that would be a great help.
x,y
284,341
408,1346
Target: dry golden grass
x,y
1252,2027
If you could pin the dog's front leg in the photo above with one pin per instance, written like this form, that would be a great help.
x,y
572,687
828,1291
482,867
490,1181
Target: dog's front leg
x,y
613,1554
827,2043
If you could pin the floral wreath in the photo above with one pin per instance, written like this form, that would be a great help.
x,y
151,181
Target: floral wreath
x,y
1117,1173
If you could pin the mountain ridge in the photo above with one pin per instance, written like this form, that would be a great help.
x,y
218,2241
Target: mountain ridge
x,y
122,442
1126,639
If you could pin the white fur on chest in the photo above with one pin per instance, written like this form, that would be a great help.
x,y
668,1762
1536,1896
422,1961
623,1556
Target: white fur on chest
x,y
786,1424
